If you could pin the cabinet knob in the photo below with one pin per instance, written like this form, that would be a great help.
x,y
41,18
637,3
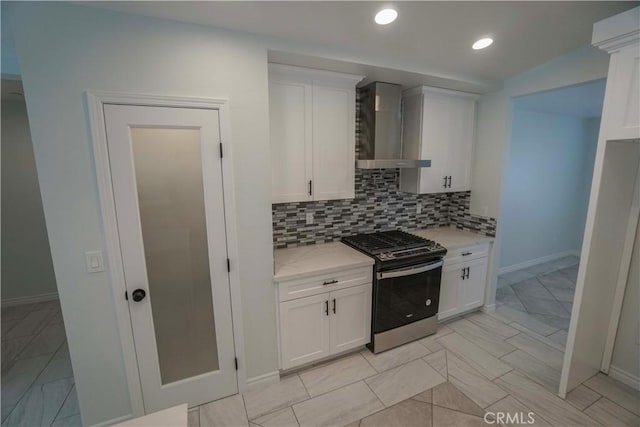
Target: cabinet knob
x,y
428,302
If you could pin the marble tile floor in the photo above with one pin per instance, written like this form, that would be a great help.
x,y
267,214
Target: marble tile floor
x,y
37,383
451,378
544,293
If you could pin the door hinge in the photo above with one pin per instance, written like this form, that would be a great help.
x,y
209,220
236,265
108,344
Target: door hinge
x,y
126,295
221,155
236,361
228,265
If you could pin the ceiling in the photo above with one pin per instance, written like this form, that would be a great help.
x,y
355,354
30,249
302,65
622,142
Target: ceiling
x,y
583,100
433,34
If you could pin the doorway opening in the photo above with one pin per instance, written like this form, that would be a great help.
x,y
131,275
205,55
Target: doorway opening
x,y
35,354
545,196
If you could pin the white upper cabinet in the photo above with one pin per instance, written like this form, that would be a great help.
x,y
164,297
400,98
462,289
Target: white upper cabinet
x,y
438,125
312,119
291,129
621,113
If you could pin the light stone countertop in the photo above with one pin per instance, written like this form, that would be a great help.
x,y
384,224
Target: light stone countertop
x,y
452,238
293,263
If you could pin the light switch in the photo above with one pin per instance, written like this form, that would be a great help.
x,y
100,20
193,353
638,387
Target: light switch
x,y
94,261
309,218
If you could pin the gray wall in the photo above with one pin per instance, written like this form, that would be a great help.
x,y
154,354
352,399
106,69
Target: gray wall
x,y
65,50
550,163
27,269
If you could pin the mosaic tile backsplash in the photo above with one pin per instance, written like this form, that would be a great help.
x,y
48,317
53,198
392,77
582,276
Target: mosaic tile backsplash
x,y
378,205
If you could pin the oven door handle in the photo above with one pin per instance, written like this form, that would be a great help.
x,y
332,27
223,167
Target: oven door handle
x,y
410,271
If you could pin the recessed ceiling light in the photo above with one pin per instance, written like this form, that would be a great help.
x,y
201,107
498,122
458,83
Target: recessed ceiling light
x,y
386,16
482,43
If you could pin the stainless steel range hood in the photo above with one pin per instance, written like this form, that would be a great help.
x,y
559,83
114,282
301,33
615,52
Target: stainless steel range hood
x,y
379,142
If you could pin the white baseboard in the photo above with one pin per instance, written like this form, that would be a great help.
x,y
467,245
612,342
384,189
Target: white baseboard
x,y
268,378
29,300
541,260
490,308
624,377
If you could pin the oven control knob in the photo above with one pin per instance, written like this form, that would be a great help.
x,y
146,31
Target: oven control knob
x,y
428,303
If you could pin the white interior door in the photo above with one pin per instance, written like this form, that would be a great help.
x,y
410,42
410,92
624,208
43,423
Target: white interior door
x,y
167,183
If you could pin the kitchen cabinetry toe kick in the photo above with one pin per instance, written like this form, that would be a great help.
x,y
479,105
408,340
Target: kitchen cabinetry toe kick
x,y
404,334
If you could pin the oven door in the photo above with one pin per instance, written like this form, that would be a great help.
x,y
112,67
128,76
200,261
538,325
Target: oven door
x,y
406,295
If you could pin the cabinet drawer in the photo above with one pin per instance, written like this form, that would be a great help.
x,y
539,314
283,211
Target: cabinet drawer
x,y
327,282
468,253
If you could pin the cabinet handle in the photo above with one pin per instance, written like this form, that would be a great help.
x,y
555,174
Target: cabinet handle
x,y
467,253
449,181
326,307
310,188
334,306
468,272
445,182
330,282
463,273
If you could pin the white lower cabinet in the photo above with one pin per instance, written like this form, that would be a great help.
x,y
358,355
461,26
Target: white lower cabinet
x,y
473,285
350,318
336,319
449,303
304,330
463,285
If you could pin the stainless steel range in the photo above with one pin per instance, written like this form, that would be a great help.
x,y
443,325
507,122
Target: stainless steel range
x,y
406,286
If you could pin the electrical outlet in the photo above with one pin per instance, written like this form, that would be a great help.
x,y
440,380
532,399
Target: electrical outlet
x,y
309,218
484,211
419,208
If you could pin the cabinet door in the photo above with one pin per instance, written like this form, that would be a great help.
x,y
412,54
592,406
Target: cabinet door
x,y
474,284
449,304
304,330
436,130
333,142
460,144
290,111
621,115
350,318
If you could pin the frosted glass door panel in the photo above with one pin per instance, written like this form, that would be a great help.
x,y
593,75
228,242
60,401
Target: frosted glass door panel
x,y
168,173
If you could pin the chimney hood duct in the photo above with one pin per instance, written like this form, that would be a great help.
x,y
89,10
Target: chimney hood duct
x,y
379,142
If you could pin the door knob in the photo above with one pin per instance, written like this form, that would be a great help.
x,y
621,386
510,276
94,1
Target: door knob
x,y
138,295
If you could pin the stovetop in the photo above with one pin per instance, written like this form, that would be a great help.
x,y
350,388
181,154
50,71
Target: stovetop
x,y
387,246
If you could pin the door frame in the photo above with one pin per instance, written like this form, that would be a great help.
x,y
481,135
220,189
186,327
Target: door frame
x,y
95,105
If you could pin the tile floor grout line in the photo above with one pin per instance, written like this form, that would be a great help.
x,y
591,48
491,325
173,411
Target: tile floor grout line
x,y
33,357
62,404
596,401
377,397
297,374
446,365
459,410
28,388
295,415
369,363
512,351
